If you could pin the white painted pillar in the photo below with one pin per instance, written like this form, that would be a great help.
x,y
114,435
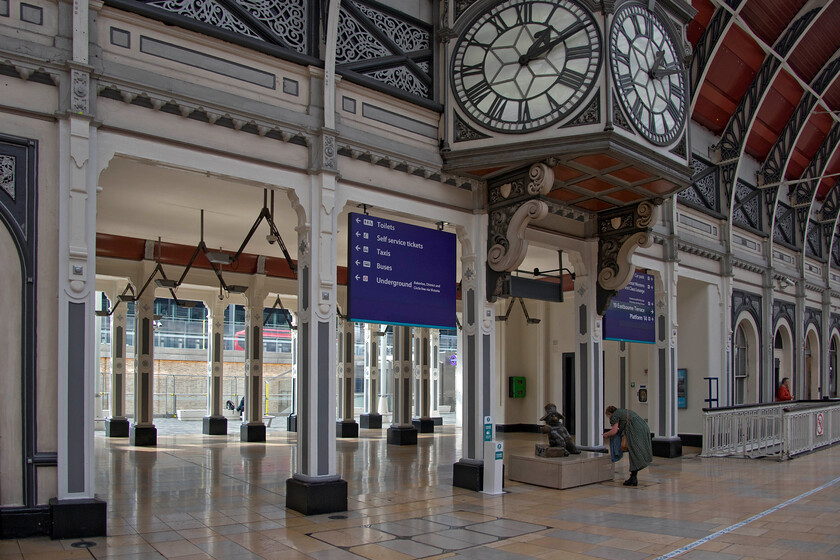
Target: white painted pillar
x,y
76,222
252,428
315,472
423,356
347,426
403,377
479,369
589,377
117,424
215,423
143,431
662,404
434,373
374,340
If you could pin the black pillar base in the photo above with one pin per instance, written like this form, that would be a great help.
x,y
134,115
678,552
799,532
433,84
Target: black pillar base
x,y
314,498
402,436
438,420
143,436
73,519
371,421
291,423
346,429
252,432
469,475
667,447
116,427
424,425
214,425
23,522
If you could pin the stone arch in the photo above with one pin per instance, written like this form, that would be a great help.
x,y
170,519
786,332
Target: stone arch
x,y
745,359
784,354
811,388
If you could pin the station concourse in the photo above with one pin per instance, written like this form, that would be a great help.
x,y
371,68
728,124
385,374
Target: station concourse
x,y
572,202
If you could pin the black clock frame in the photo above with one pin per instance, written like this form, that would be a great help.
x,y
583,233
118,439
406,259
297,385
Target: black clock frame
x,y
590,78
673,134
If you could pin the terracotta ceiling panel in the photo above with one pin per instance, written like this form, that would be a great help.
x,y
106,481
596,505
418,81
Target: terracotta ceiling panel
x,y
597,161
770,23
778,106
713,108
595,205
659,187
697,26
626,196
630,174
566,174
563,195
595,185
832,96
818,45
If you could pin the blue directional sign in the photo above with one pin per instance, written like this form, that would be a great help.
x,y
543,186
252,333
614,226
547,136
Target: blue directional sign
x,y
630,316
400,274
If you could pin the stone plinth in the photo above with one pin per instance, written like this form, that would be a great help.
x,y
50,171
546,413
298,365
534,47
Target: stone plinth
x,y
561,472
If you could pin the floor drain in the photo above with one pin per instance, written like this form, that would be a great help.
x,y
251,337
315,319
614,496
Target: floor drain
x,y
338,517
83,544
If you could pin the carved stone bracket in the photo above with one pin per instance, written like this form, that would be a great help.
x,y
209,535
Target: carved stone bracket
x,y
506,257
620,233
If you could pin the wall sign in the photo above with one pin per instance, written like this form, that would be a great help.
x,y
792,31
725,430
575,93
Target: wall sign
x,y
630,316
400,274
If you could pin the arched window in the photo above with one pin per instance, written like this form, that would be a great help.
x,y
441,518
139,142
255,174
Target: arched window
x,y
741,349
832,368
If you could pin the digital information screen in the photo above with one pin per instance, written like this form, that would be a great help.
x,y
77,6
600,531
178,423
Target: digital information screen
x,y
630,316
400,274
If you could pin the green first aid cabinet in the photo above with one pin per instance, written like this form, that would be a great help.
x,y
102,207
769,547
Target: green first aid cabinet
x,y
516,387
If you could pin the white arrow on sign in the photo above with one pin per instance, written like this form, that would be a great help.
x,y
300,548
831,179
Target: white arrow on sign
x,y
358,234
357,220
357,247
357,277
357,263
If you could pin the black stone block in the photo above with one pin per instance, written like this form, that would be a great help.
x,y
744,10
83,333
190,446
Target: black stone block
x,y
424,425
371,421
116,427
314,498
23,522
291,423
402,436
143,436
667,447
438,420
73,519
214,426
346,429
252,432
469,476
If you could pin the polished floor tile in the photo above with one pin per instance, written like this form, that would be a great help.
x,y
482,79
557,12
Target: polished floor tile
x,y
213,497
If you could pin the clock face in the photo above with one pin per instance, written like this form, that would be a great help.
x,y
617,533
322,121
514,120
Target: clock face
x,y
648,74
522,66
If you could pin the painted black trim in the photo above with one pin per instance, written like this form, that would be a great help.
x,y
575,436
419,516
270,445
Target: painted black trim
x,y
692,440
22,522
19,215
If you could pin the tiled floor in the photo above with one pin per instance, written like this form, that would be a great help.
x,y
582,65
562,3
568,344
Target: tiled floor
x,y
198,497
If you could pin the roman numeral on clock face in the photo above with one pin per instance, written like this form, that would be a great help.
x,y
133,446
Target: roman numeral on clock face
x,y
497,108
476,93
571,79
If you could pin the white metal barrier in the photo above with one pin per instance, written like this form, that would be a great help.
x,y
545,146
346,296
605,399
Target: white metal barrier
x,y
778,429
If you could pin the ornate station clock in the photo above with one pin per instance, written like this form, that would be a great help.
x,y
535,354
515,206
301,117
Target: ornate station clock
x,y
523,65
648,73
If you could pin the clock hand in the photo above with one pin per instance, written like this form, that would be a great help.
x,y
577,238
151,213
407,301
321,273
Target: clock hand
x,y
543,46
658,59
665,71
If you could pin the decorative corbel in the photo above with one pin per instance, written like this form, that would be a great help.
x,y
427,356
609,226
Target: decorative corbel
x,y
620,233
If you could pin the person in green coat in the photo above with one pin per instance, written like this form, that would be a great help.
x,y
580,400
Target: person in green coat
x,y
637,434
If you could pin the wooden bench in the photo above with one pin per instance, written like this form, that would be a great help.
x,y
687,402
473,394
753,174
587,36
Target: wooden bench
x,y
561,472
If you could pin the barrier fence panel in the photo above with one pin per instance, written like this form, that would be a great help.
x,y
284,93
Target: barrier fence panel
x,y
778,429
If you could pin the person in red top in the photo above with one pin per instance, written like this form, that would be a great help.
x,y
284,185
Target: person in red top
x,y
783,394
